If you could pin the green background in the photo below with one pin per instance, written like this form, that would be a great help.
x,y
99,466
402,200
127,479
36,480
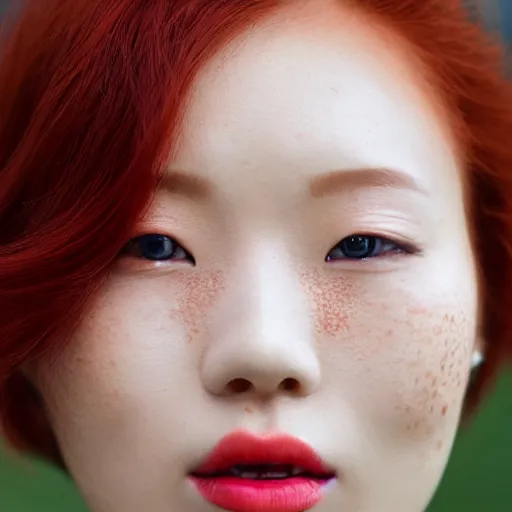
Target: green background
x,y
478,479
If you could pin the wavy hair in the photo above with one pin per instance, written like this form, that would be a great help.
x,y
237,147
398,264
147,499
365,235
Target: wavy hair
x,y
91,97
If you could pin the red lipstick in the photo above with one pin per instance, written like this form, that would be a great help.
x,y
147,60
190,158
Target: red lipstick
x,y
245,473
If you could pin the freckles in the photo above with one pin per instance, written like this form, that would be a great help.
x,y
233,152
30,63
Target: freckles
x,y
334,300
199,294
457,344
440,390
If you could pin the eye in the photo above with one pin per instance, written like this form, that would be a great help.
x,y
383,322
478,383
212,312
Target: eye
x,y
363,247
155,247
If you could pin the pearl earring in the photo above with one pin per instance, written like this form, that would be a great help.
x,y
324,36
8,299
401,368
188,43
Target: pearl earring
x,y
477,359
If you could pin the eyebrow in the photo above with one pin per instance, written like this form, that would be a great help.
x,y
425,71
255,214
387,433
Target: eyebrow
x,y
335,182
180,183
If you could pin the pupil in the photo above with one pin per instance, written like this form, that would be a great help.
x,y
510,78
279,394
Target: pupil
x,y
156,247
358,247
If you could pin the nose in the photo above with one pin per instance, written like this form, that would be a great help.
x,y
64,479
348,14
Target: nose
x,y
262,340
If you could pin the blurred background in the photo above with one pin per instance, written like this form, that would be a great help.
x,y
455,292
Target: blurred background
x,y
479,475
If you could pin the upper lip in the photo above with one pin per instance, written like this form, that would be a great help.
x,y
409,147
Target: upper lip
x,y
243,448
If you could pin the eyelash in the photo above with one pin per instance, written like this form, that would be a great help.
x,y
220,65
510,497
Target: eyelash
x,y
370,247
135,248
372,244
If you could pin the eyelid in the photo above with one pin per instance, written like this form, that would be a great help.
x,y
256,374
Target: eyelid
x,y
400,239
154,228
383,241
381,263
151,228
141,264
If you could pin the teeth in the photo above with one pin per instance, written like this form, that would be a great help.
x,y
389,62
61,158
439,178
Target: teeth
x,y
249,474
243,472
274,475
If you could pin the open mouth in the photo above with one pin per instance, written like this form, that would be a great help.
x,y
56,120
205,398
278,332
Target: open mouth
x,y
270,471
245,473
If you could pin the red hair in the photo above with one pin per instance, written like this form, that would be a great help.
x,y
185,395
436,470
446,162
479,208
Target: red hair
x,y
91,96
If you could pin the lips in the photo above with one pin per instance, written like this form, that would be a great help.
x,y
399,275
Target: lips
x,y
245,473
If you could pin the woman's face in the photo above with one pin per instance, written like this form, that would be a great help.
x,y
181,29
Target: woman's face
x,y
313,278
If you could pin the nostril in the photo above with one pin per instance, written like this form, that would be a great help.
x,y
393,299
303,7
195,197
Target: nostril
x,y
290,385
239,386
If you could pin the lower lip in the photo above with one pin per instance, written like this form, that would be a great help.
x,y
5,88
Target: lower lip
x,y
244,495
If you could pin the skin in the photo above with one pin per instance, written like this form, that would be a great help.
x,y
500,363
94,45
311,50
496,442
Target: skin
x,y
366,361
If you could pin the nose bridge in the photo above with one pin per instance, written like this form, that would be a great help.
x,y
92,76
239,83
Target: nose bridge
x,y
262,339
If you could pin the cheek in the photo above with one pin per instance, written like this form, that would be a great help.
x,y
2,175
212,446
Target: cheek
x,y
199,294
409,344
334,300
131,348
435,372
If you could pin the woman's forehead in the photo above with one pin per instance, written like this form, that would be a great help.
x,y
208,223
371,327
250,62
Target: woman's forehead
x,y
285,105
